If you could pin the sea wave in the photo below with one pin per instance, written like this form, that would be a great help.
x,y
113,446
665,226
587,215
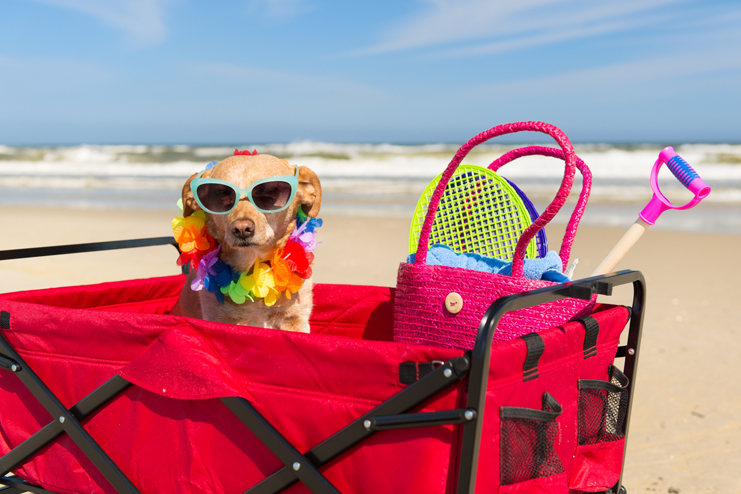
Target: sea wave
x,y
356,178
722,161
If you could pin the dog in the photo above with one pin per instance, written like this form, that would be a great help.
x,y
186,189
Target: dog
x,y
248,234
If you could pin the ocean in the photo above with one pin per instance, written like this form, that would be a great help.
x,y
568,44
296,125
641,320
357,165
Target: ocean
x,y
374,179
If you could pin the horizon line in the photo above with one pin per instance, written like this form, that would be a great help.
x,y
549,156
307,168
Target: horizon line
x,y
618,142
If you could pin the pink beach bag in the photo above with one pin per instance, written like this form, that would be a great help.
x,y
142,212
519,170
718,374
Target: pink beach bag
x,y
420,312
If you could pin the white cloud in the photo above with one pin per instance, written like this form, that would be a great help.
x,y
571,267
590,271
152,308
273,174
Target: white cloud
x,y
650,77
141,20
548,37
513,24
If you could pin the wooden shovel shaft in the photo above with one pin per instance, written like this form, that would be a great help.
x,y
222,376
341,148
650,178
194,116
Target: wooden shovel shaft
x,y
621,248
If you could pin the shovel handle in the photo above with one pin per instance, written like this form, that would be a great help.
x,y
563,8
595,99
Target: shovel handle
x,y
684,173
621,248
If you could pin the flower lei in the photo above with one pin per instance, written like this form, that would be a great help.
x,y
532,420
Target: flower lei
x,y
283,274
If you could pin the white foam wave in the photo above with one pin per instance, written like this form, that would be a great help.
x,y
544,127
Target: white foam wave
x,y
388,173
90,168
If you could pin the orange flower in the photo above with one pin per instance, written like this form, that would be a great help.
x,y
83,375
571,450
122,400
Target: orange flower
x,y
285,278
190,233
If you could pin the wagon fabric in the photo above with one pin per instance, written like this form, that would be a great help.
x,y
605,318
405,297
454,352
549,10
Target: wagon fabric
x,y
555,427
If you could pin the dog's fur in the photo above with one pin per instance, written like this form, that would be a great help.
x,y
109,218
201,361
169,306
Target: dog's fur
x,y
247,235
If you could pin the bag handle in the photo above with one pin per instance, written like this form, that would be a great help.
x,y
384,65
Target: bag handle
x,y
518,261
581,203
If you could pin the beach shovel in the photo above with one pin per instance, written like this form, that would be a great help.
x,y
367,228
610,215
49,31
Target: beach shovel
x,y
657,205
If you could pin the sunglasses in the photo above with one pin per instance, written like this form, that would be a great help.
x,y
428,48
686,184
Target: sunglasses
x,y
268,195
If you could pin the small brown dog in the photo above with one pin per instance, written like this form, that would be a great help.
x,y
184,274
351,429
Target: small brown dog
x,y
251,218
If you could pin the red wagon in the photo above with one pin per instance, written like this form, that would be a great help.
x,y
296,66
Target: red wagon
x,y
101,390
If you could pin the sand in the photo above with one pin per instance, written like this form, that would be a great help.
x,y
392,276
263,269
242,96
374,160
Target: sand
x,y
685,434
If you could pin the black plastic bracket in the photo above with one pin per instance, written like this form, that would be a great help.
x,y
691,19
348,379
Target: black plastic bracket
x,y
603,288
585,291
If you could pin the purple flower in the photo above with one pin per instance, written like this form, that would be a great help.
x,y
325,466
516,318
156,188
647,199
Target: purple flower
x,y
307,241
205,269
305,234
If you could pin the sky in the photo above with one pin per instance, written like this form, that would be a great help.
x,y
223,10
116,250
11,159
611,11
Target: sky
x,y
401,71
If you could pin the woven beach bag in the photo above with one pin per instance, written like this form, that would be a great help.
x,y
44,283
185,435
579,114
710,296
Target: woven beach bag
x,y
424,292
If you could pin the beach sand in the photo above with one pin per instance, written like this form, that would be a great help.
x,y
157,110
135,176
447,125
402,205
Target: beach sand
x,y
685,433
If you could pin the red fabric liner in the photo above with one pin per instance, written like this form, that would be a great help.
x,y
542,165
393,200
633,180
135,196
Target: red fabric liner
x,y
169,433
597,466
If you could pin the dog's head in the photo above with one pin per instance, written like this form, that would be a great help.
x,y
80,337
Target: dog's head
x,y
246,233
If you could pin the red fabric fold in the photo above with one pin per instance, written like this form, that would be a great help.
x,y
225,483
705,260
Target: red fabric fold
x,y
597,466
181,364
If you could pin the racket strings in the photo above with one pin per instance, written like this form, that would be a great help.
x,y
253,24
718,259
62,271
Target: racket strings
x,y
478,212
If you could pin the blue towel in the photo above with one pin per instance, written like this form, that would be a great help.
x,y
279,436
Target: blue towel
x,y
549,268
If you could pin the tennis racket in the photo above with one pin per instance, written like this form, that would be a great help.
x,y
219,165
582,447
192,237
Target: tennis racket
x,y
479,212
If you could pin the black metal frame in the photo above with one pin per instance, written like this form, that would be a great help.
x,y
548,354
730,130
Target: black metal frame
x,y
6,255
392,414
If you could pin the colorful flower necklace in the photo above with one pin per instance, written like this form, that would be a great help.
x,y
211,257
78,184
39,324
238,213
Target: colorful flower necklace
x,y
283,274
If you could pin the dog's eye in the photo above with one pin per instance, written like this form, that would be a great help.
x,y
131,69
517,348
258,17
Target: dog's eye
x,y
271,195
217,197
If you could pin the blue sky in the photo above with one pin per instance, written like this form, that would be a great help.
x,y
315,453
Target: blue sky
x,y
181,71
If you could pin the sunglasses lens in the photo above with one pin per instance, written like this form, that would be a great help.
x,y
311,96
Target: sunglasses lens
x,y
270,196
217,197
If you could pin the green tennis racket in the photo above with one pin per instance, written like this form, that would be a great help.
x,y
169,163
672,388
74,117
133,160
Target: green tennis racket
x,y
479,212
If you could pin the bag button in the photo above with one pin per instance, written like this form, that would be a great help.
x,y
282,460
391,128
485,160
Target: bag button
x,y
454,303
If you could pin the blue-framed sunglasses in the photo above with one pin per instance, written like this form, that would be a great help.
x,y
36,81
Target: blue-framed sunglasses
x,y
268,195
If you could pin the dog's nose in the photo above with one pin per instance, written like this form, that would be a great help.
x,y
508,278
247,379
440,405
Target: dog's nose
x,y
243,228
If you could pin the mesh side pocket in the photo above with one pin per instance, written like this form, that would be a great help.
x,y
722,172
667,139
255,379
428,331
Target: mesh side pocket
x,y
603,406
526,442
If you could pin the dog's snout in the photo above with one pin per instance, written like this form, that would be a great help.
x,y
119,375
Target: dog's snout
x,y
243,228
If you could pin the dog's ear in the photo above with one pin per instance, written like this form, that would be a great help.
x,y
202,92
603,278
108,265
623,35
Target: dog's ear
x,y
309,192
189,202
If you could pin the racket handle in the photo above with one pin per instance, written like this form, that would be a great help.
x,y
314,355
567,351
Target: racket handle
x,y
621,248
